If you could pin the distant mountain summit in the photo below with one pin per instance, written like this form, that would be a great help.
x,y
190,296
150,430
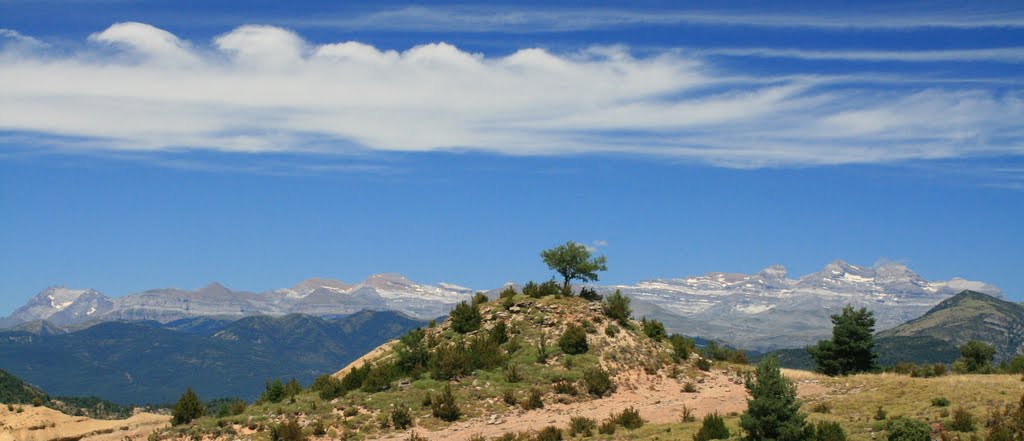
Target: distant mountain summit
x,y
321,297
769,310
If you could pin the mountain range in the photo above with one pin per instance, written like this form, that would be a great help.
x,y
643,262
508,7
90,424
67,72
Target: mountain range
x,y
763,311
63,306
770,310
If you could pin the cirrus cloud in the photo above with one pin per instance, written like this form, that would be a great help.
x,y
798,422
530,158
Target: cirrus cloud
x,y
136,87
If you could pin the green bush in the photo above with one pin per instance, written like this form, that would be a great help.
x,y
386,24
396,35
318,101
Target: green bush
x,y
573,340
682,347
703,364
187,408
273,392
829,431
629,418
230,408
565,388
531,289
611,330
713,427
822,407
542,348
773,411
449,361
465,318
616,307
690,387
909,429
479,299
940,402
881,414
401,418
653,329
509,397
962,421
485,353
319,429
549,433
534,400
512,374
607,427
444,407
589,294
378,379
582,426
550,288
287,431
499,332
598,382
412,353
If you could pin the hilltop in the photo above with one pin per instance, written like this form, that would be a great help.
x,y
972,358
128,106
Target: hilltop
x,y
967,316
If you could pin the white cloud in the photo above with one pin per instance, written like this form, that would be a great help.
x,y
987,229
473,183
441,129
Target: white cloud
x,y
1013,55
265,89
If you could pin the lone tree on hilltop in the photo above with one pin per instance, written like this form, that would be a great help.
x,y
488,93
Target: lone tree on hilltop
x,y
187,408
851,348
574,262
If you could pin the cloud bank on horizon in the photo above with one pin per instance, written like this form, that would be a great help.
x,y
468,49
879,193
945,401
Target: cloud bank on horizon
x,y
259,88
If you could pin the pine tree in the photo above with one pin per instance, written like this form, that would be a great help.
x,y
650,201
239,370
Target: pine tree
x,y
851,348
187,408
445,407
466,318
773,412
616,307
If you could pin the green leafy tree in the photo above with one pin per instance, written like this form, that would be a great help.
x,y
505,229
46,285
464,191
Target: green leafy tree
x,y
187,408
975,357
574,340
616,307
574,262
851,348
653,329
773,411
466,318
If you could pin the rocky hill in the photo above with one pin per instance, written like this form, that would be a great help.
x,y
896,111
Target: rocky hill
x,y
521,364
967,316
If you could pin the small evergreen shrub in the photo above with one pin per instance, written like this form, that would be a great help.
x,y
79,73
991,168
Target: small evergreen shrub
x,y
629,418
690,387
940,402
273,392
822,407
479,299
565,388
881,414
549,433
401,418
653,329
542,348
909,429
444,407
327,387
616,307
687,416
378,379
829,431
607,427
582,426
513,345
589,294
611,330
534,400
187,408
465,318
682,347
598,382
962,421
703,364
713,427
499,332
550,288
573,340
319,429
509,398
287,431
512,374
449,361
531,289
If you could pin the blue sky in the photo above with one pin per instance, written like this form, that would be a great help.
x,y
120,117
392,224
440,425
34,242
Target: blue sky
x,y
172,144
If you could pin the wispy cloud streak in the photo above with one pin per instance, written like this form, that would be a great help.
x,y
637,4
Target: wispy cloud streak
x,y
264,89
